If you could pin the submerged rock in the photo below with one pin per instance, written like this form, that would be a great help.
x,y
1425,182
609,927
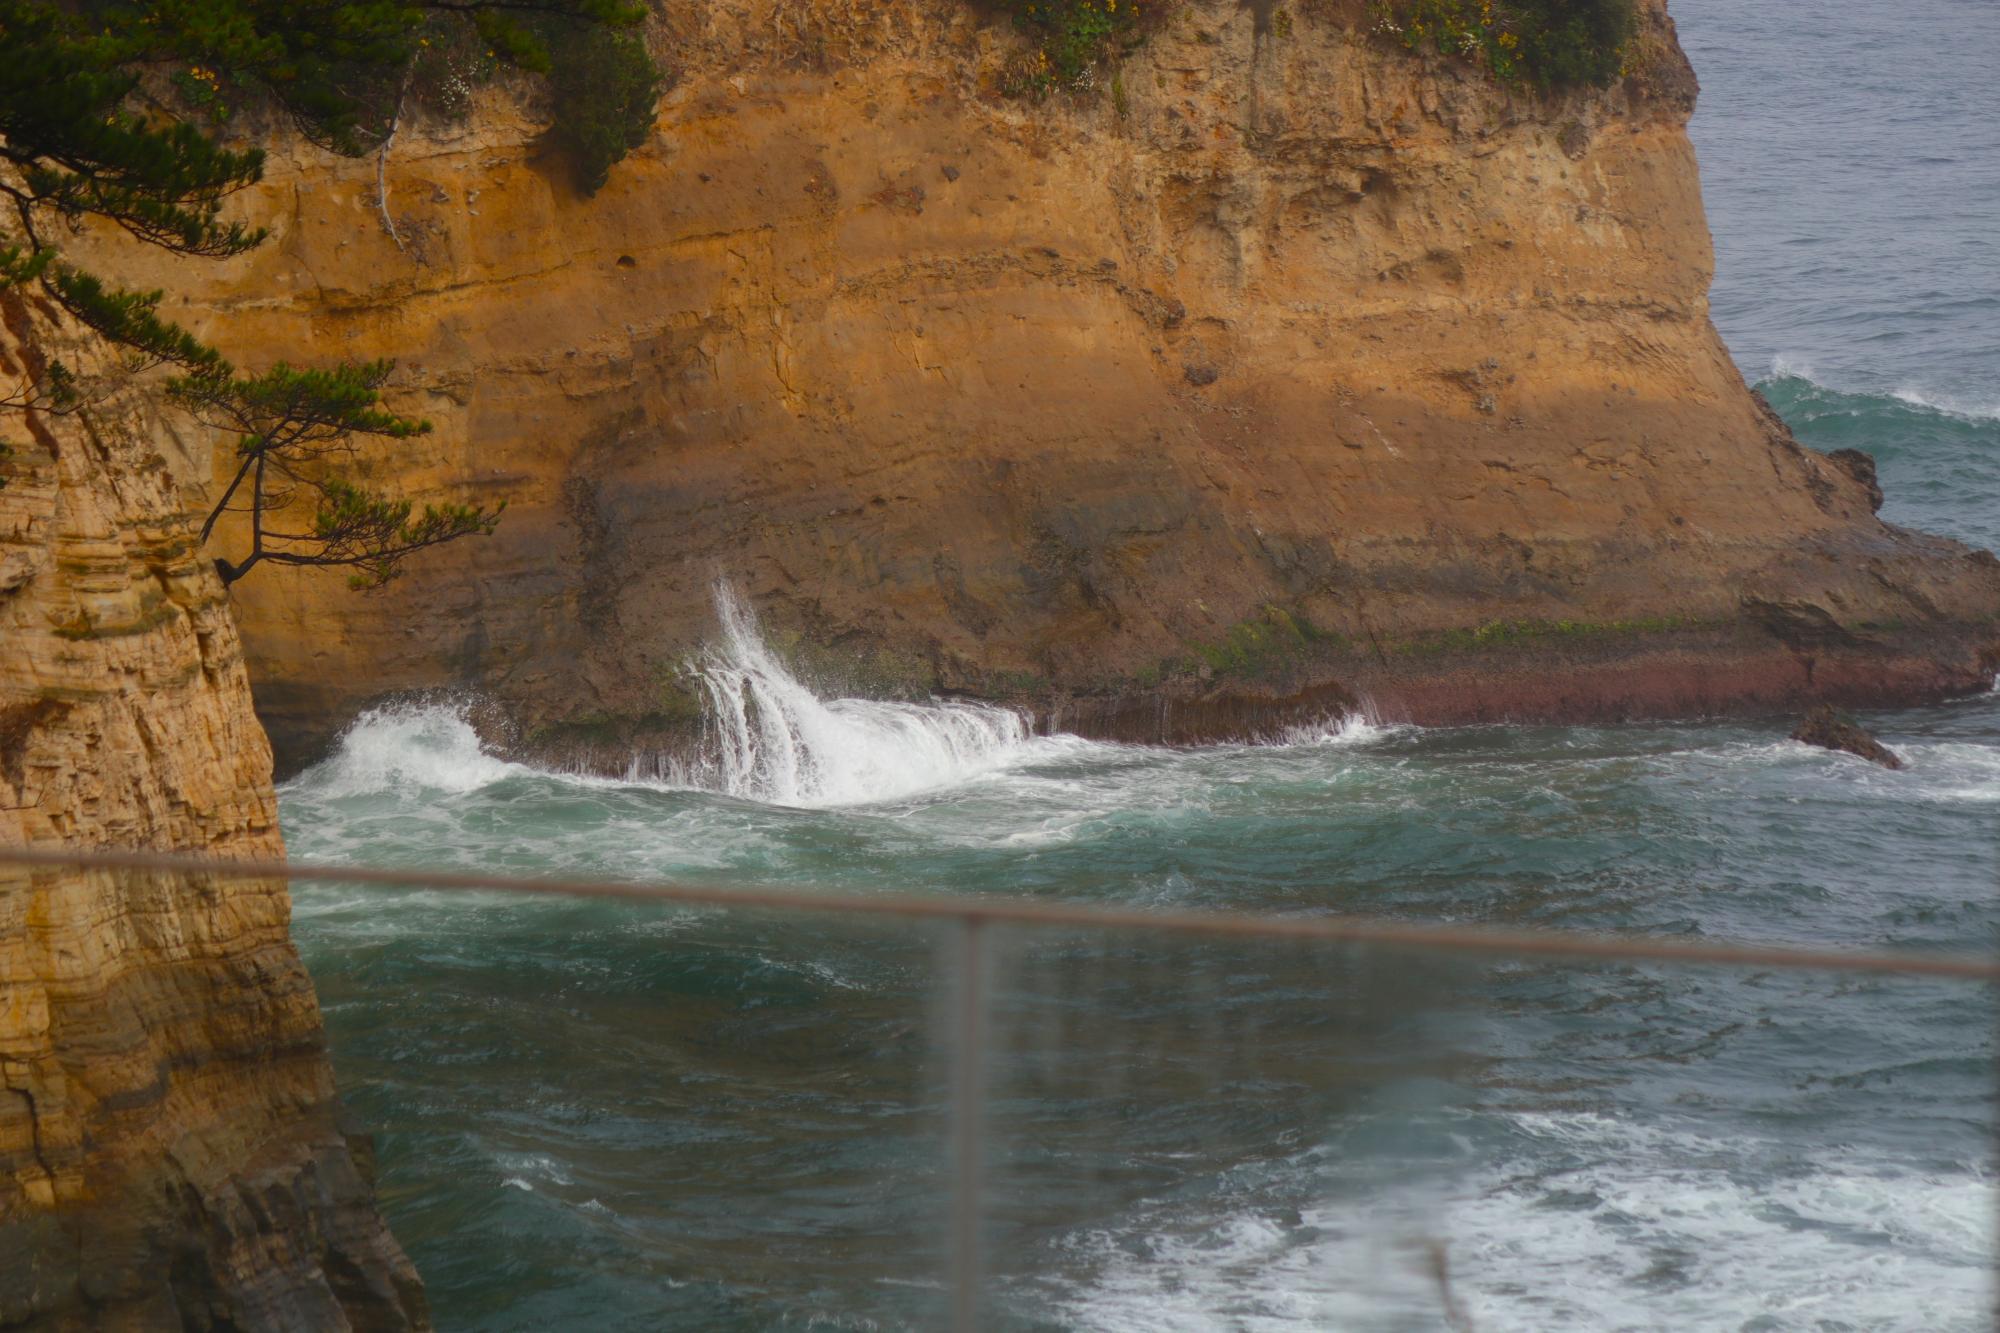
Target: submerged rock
x,y
1830,729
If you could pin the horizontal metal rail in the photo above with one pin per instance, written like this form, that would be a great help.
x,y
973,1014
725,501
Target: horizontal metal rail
x,y
1374,931
970,915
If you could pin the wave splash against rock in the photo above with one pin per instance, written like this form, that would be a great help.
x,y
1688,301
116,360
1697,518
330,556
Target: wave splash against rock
x,y
769,738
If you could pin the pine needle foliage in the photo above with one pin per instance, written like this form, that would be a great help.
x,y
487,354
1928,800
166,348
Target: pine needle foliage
x,y
603,87
288,422
117,109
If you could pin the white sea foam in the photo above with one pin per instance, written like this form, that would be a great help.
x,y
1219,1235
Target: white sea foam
x,y
1640,1228
1955,770
1935,771
1654,1228
410,746
1359,728
1951,405
771,739
526,1168
1785,365
1257,1273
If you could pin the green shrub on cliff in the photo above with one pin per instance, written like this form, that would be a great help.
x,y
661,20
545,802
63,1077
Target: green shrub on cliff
x,y
1551,44
603,88
1069,39
114,110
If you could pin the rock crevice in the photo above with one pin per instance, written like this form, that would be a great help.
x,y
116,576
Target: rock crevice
x,y
171,1154
1299,327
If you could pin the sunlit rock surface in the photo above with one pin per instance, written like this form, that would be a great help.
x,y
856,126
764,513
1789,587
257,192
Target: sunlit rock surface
x,y
1291,374
171,1152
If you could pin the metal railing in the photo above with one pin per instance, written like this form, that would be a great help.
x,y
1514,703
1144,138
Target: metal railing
x,y
973,915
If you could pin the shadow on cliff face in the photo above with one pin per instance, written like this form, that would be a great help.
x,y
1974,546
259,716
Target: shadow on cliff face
x,y
172,1152
1062,404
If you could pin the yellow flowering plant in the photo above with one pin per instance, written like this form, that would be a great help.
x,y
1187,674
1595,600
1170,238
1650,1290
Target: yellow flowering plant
x,y
1071,37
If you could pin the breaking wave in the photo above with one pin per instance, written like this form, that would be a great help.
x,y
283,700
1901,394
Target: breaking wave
x,y
409,746
1793,387
1936,451
771,739
768,738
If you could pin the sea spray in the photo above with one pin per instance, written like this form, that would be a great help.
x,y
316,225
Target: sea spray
x,y
771,739
1363,727
414,746
1190,1145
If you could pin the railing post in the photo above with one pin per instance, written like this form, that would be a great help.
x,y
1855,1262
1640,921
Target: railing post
x,y
968,1108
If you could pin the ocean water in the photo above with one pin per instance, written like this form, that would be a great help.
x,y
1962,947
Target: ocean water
x,y
1852,177
602,1116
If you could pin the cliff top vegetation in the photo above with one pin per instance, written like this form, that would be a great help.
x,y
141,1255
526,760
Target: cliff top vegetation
x,y
118,111
1550,45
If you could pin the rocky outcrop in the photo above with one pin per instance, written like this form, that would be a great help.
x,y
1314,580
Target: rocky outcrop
x,y
1861,467
1829,729
1286,371
171,1152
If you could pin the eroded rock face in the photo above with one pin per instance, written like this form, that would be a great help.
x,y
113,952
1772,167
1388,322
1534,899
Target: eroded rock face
x,y
170,1149
1861,467
1294,371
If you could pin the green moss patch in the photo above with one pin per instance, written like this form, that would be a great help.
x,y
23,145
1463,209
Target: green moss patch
x,y
1266,647
1506,634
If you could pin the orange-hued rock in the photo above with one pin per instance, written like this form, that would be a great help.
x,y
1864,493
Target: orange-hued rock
x,y
170,1149
1286,370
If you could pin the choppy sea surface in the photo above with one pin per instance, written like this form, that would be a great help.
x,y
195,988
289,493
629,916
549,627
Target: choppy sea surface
x,y
603,1116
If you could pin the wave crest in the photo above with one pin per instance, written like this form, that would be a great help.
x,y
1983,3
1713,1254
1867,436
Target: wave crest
x,y
1792,384
771,739
409,746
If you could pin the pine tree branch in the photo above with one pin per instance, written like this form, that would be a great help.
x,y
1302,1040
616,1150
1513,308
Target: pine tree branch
x,y
223,504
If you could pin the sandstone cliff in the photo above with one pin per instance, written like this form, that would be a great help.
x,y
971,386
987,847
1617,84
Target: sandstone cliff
x,y
170,1154
1290,370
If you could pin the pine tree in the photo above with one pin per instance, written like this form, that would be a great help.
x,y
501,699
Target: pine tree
x,y
115,109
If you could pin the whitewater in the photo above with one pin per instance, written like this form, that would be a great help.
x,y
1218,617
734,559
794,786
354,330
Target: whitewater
x,y
617,1117
739,1118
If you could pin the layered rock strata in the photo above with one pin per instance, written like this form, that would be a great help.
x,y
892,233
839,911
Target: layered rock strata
x,y
171,1150
1284,371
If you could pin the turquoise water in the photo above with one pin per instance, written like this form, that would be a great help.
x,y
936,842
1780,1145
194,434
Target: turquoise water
x,y
611,1117
1852,178
675,1118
